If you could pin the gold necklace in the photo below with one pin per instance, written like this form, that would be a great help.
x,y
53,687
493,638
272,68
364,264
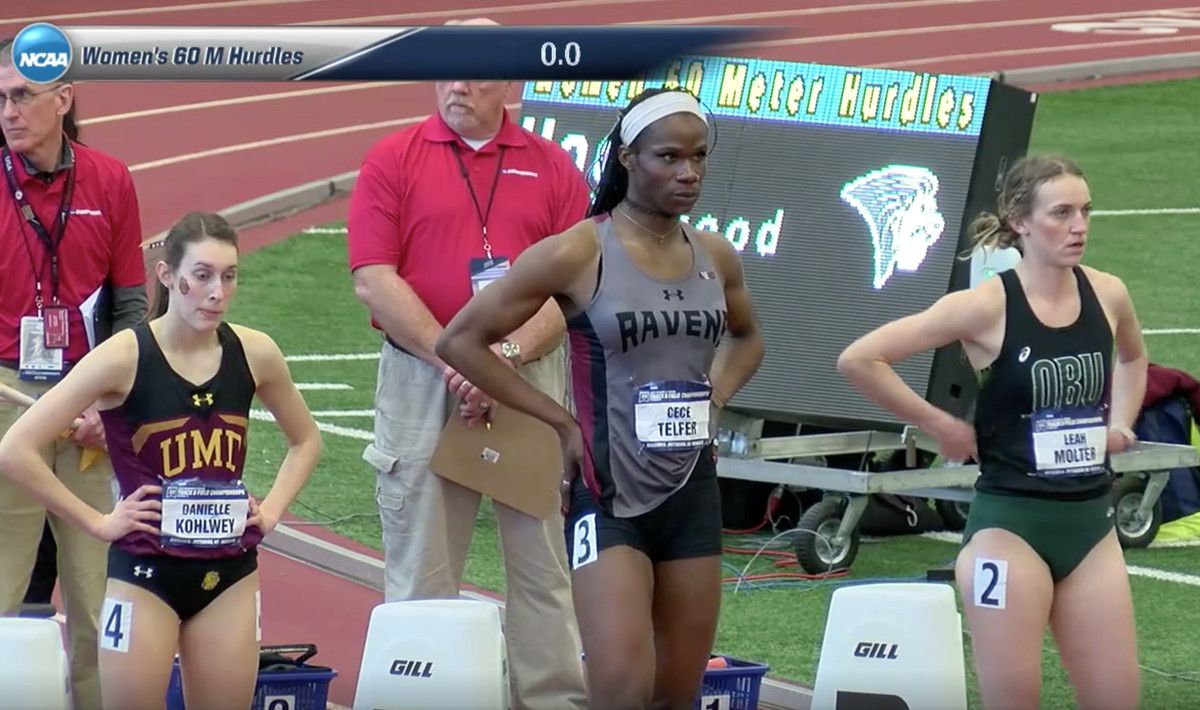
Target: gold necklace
x,y
660,237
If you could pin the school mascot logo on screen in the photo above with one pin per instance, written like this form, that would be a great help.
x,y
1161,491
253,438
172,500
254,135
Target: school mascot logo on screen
x,y
899,205
41,53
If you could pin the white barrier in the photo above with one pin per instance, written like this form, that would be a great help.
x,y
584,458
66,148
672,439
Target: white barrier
x,y
892,647
34,671
424,655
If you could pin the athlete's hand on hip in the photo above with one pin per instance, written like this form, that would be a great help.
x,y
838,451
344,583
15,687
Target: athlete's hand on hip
x,y
1118,441
573,451
956,439
90,434
262,519
132,514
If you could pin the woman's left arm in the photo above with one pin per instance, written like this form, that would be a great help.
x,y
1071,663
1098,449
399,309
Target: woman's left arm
x,y
1129,376
736,360
281,397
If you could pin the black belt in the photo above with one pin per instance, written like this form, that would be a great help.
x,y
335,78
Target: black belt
x,y
397,346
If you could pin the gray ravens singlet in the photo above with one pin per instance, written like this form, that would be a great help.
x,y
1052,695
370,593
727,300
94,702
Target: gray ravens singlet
x,y
640,355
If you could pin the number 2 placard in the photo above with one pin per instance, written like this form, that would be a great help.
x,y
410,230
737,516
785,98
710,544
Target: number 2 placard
x,y
991,583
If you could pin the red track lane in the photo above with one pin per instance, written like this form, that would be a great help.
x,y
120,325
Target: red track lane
x,y
301,604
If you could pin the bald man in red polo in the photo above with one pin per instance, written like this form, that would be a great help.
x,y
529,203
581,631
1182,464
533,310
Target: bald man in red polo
x,y
438,210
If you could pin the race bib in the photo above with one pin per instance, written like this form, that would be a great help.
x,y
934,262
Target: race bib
x,y
1069,443
198,513
672,416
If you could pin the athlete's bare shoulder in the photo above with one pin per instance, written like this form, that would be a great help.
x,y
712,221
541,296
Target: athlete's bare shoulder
x,y
722,252
1109,287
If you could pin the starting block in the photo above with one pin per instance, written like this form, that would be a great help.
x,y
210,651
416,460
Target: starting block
x,y
428,654
34,670
892,647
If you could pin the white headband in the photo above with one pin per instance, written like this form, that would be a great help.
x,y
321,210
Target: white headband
x,y
656,107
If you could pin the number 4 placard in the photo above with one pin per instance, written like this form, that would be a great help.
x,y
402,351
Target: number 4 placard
x,y
714,702
117,618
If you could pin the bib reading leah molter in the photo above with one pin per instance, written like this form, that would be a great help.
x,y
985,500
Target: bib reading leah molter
x,y
198,513
1070,443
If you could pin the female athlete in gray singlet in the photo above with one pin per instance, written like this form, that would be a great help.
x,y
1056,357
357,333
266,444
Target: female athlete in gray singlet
x,y
662,333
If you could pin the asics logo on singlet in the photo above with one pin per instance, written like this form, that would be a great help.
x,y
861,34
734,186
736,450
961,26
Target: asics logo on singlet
x,y
676,293
140,571
1023,355
201,400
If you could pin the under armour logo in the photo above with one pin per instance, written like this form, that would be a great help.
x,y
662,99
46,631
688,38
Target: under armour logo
x,y
1023,355
667,294
201,400
140,571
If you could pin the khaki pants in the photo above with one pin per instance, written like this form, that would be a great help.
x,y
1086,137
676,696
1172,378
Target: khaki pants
x,y
82,559
428,522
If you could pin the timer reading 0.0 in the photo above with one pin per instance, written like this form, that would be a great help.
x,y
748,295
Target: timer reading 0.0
x,y
570,54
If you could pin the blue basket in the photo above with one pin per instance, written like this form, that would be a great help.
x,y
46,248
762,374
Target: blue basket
x,y
735,687
305,688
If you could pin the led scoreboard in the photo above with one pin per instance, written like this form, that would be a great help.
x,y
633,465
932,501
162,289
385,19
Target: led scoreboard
x,y
847,192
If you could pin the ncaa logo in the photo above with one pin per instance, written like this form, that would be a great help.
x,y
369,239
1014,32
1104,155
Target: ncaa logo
x,y
41,53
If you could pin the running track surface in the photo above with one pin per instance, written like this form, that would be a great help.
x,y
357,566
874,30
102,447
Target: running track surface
x,y
210,145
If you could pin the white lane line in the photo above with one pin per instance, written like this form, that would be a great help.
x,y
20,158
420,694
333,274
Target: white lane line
x,y
336,357
1135,570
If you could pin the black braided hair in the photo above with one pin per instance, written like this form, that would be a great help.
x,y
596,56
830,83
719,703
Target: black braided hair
x,y
614,179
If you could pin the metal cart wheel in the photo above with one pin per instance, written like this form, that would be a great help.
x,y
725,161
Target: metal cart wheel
x,y
1134,530
822,552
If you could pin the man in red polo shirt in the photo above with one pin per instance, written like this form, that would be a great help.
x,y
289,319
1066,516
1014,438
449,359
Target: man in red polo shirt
x,y
436,213
73,273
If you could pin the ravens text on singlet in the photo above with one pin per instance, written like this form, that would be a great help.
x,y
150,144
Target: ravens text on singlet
x,y
1041,420
640,357
189,438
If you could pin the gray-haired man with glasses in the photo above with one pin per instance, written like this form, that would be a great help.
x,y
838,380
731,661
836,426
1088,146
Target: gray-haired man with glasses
x,y
71,259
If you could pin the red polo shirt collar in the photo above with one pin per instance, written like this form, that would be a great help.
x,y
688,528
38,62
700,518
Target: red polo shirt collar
x,y
436,130
21,172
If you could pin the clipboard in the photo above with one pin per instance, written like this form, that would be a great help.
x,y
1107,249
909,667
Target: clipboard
x,y
518,461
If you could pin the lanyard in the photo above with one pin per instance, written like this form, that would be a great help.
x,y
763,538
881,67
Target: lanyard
x,y
483,216
51,241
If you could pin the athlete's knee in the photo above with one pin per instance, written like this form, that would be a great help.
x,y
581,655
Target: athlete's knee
x,y
620,683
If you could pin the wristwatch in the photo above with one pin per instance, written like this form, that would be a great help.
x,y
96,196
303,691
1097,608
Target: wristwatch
x,y
511,351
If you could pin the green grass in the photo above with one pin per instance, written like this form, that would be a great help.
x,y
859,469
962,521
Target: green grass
x,y
1136,144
